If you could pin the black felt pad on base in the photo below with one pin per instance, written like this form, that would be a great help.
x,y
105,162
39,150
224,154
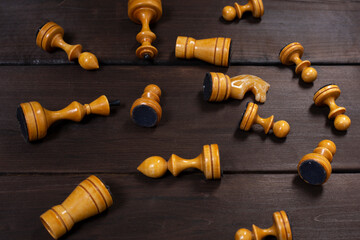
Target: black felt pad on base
x,y
207,86
144,116
312,172
22,121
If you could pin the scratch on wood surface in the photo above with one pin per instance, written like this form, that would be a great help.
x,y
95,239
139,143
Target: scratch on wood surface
x,y
61,3
338,217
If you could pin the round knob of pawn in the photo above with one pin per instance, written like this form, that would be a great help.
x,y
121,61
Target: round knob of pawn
x,y
154,89
229,13
329,145
281,129
153,167
243,234
342,122
88,61
309,74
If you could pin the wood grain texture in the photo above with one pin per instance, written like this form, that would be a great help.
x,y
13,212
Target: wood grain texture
x,y
328,30
115,144
187,208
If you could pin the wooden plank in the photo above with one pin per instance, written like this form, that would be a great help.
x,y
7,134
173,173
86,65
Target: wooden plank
x,y
188,207
115,144
329,30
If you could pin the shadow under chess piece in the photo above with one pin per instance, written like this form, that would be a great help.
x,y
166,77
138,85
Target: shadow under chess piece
x,y
255,6
146,111
145,12
34,120
280,128
315,168
212,50
280,229
218,87
327,96
208,162
89,198
50,36
291,54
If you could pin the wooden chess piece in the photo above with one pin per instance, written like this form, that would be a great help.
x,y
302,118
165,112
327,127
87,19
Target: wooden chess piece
x,y
315,168
280,229
89,198
35,120
280,128
212,50
208,162
50,36
255,6
292,53
146,111
218,87
145,12
327,96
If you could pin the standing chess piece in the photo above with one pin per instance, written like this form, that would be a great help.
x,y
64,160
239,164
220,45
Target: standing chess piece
x,y
50,36
212,50
145,12
327,96
280,229
208,162
280,128
255,6
218,87
146,111
89,198
315,168
34,120
291,54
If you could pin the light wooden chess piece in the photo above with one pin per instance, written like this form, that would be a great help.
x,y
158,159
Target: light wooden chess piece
x,y
208,162
327,96
50,36
145,12
291,54
146,111
315,168
280,229
280,128
218,87
255,6
89,198
35,120
212,50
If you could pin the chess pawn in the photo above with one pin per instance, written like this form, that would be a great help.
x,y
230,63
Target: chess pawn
x,y
280,128
218,87
146,111
280,229
315,168
50,36
145,12
89,198
212,50
34,120
255,6
292,53
208,162
327,96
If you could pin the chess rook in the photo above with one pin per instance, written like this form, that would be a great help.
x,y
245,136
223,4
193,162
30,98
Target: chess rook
x,y
208,162
280,128
327,96
50,36
255,6
146,111
218,87
212,50
280,229
145,12
291,54
34,120
89,198
315,168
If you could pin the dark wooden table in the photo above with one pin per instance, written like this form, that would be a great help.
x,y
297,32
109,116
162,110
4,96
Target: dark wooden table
x,y
259,170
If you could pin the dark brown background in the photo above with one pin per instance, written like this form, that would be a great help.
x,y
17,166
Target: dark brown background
x,y
259,170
